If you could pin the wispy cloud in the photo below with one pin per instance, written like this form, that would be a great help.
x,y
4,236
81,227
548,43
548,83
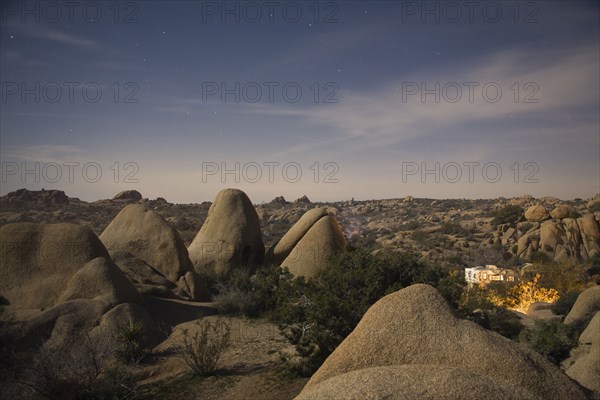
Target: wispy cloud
x,y
47,153
382,116
42,32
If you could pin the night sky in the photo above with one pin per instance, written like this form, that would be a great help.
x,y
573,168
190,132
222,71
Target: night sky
x,y
357,96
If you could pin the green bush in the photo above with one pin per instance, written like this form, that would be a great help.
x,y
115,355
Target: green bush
x,y
565,303
451,228
505,323
507,215
318,314
130,336
81,368
202,350
551,339
419,236
526,227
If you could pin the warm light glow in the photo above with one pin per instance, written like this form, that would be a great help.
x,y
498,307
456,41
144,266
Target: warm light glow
x,y
522,296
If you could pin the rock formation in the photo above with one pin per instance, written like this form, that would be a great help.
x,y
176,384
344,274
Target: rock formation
x,y
536,213
39,259
280,250
584,364
561,211
148,236
562,239
416,330
310,243
230,237
585,306
128,196
61,278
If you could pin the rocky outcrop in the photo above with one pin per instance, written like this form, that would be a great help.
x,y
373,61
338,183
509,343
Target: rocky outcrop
x,y
279,200
148,236
283,247
562,239
60,281
415,382
312,252
39,259
584,364
39,197
415,329
585,306
303,200
536,213
128,196
230,237
561,211
100,279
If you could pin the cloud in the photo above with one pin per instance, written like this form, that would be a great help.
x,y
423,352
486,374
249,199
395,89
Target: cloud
x,y
382,116
47,153
39,31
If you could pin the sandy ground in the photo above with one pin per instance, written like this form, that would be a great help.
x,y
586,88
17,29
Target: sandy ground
x,y
251,368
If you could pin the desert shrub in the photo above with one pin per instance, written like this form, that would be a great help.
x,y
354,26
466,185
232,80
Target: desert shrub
x,y
551,339
117,383
234,301
500,319
521,296
574,214
563,276
507,215
234,294
474,298
539,257
130,349
201,351
451,228
270,287
595,207
526,227
73,370
419,236
321,312
505,323
565,303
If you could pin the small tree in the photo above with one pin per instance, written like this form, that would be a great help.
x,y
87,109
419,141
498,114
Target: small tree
x,y
507,215
523,295
202,350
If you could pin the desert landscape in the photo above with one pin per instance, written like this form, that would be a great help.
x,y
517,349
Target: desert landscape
x,y
133,297
310,200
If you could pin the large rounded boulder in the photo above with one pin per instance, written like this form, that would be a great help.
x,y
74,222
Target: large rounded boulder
x,y
415,382
587,303
536,213
585,361
37,260
416,327
280,250
311,254
128,196
148,236
100,279
230,238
